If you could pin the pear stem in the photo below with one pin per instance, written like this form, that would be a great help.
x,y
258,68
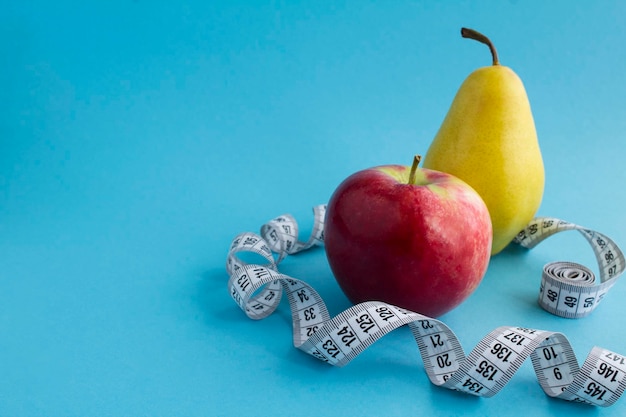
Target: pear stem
x,y
416,161
477,36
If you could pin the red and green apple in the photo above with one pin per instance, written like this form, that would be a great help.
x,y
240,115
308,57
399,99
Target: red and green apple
x,y
416,238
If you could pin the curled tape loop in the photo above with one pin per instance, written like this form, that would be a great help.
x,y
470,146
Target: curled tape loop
x,y
570,289
258,289
570,272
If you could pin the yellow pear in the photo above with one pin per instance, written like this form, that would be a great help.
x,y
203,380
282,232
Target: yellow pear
x,y
488,139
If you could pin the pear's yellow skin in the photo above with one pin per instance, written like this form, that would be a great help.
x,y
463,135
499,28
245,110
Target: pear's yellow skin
x,y
488,139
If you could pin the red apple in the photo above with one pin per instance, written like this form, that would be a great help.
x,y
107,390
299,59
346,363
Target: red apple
x,y
413,237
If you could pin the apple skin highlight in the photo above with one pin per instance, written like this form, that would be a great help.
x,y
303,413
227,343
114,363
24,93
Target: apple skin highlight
x,y
424,246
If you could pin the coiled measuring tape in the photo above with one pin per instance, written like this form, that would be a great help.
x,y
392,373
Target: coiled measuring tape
x,y
569,289
258,289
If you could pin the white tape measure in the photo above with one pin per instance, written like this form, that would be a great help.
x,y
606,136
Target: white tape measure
x,y
569,289
258,289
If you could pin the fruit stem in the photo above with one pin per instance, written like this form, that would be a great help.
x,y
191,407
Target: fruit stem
x,y
477,36
416,161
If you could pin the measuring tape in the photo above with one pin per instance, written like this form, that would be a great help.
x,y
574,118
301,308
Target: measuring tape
x,y
569,289
258,289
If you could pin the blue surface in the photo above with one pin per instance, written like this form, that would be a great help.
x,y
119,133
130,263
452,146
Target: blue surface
x,y
138,138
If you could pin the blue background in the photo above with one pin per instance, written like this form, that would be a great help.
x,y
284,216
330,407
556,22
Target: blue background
x,y
138,138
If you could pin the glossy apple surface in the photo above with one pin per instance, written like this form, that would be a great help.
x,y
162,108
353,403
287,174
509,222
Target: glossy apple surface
x,y
424,246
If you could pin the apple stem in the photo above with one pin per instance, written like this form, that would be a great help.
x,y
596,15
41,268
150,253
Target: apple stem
x,y
477,36
416,161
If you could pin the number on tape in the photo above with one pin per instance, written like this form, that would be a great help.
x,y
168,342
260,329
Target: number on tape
x,y
258,289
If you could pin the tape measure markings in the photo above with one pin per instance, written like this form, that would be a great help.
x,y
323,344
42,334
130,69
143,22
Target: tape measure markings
x,y
258,290
569,289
